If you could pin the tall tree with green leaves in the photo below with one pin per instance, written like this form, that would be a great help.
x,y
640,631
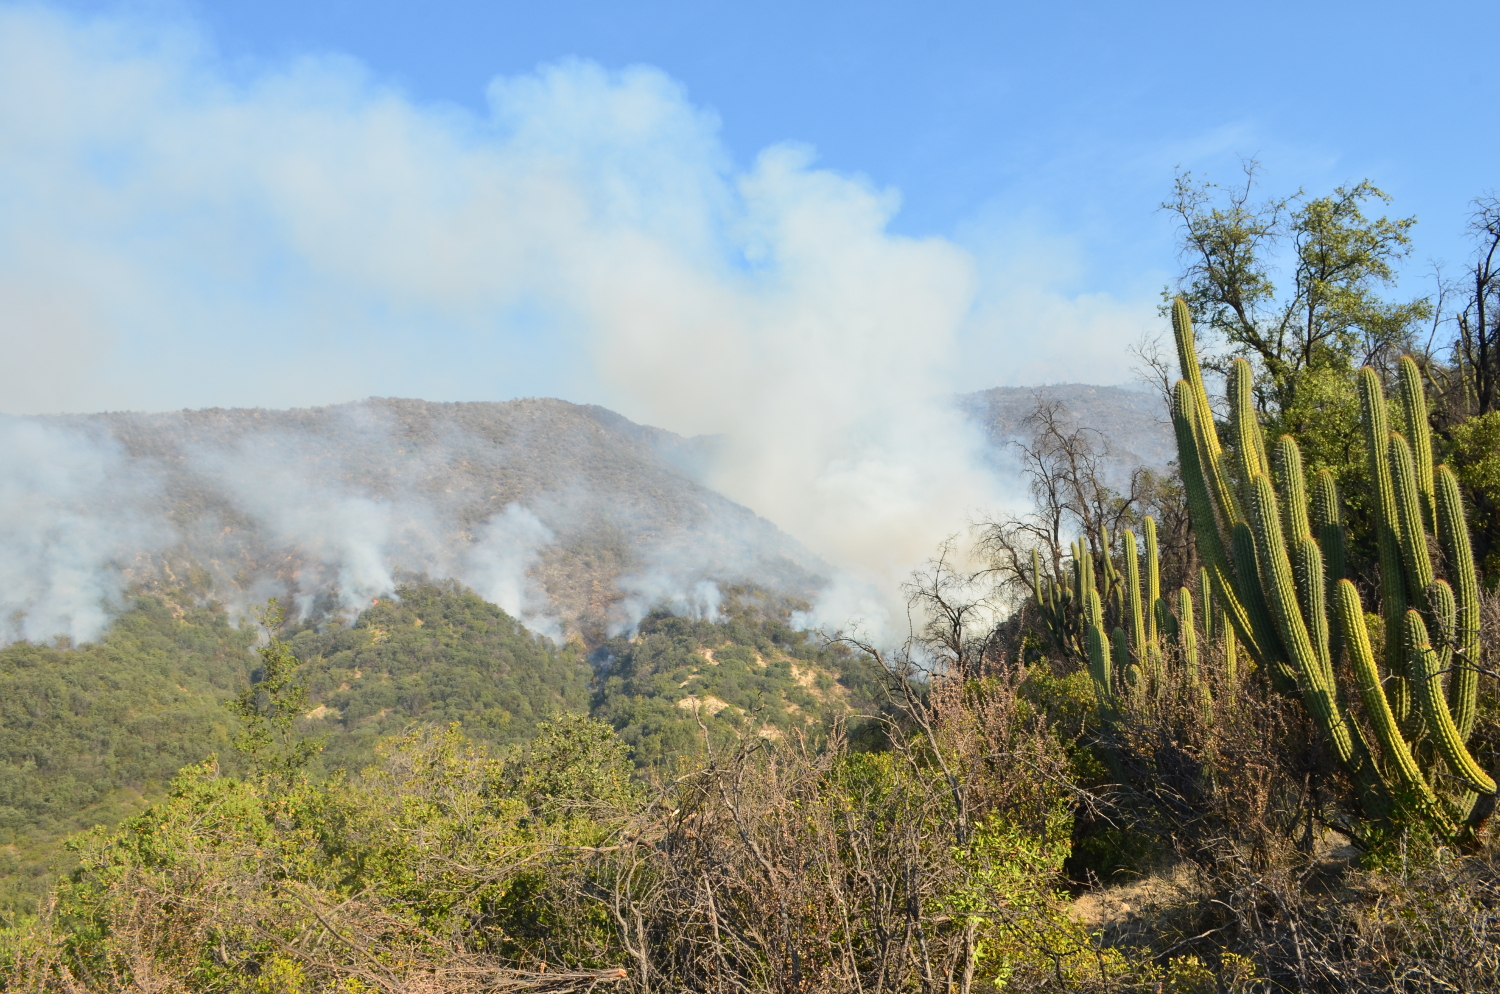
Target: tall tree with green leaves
x,y
269,708
1295,285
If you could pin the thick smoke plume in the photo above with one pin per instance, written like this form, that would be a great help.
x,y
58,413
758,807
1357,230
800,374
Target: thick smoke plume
x,y
75,517
175,235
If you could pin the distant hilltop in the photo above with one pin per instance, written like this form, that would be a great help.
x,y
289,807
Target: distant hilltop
x,y
1131,421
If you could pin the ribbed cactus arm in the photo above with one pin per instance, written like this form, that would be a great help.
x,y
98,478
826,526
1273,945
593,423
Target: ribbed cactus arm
x,y
1192,372
1083,562
1398,755
1445,614
1133,595
1111,579
1409,507
1307,557
1290,482
1231,661
1093,609
1453,536
1206,440
1418,432
1423,669
1100,665
1206,523
1324,511
1122,659
1261,624
1249,440
1328,529
1187,636
1281,590
1205,598
1387,534
1310,592
1153,578
1210,540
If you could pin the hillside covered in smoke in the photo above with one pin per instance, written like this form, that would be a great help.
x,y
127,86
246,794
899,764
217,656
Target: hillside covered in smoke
x,y
572,518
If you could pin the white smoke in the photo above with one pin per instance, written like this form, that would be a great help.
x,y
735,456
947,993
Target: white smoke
x,y
499,567
74,517
80,521
174,235
346,537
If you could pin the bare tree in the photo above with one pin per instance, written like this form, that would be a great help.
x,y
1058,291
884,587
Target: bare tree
x,y
1067,468
954,613
1477,347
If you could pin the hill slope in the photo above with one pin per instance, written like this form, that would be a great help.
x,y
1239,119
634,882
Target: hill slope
x,y
572,517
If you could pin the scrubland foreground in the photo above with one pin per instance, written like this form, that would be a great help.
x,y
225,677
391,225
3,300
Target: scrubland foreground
x,y
941,847
1228,729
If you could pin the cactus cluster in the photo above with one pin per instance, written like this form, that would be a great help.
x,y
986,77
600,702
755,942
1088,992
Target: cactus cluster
x,y
1105,616
1273,554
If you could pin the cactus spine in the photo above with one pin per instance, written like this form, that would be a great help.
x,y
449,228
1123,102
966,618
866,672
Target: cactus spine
x,y
1274,557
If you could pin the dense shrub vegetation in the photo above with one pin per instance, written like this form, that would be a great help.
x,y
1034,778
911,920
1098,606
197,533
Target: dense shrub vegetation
x,y
1228,729
92,734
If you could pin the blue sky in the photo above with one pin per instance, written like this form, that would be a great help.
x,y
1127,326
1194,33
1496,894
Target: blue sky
x,y
1071,114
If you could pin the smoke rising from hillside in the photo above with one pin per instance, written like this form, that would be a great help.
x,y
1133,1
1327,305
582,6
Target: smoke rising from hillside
x,y
569,518
74,518
179,236
499,567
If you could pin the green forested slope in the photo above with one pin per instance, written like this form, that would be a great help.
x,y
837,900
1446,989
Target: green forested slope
x,y
87,734
91,734
748,675
438,655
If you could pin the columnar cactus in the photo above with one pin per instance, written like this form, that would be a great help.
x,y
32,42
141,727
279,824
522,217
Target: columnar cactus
x,y
1076,616
1274,560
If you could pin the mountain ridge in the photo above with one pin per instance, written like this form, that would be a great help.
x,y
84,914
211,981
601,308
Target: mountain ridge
x,y
552,509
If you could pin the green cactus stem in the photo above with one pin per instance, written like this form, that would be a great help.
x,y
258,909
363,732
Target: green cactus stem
x,y
1249,440
1276,576
1133,595
1413,535
1231,661
1328,529
1211,545
1453,537
1188,637
1100,665
1153,575
1425,673
1121,653
1387,537
1398,756
1418,433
